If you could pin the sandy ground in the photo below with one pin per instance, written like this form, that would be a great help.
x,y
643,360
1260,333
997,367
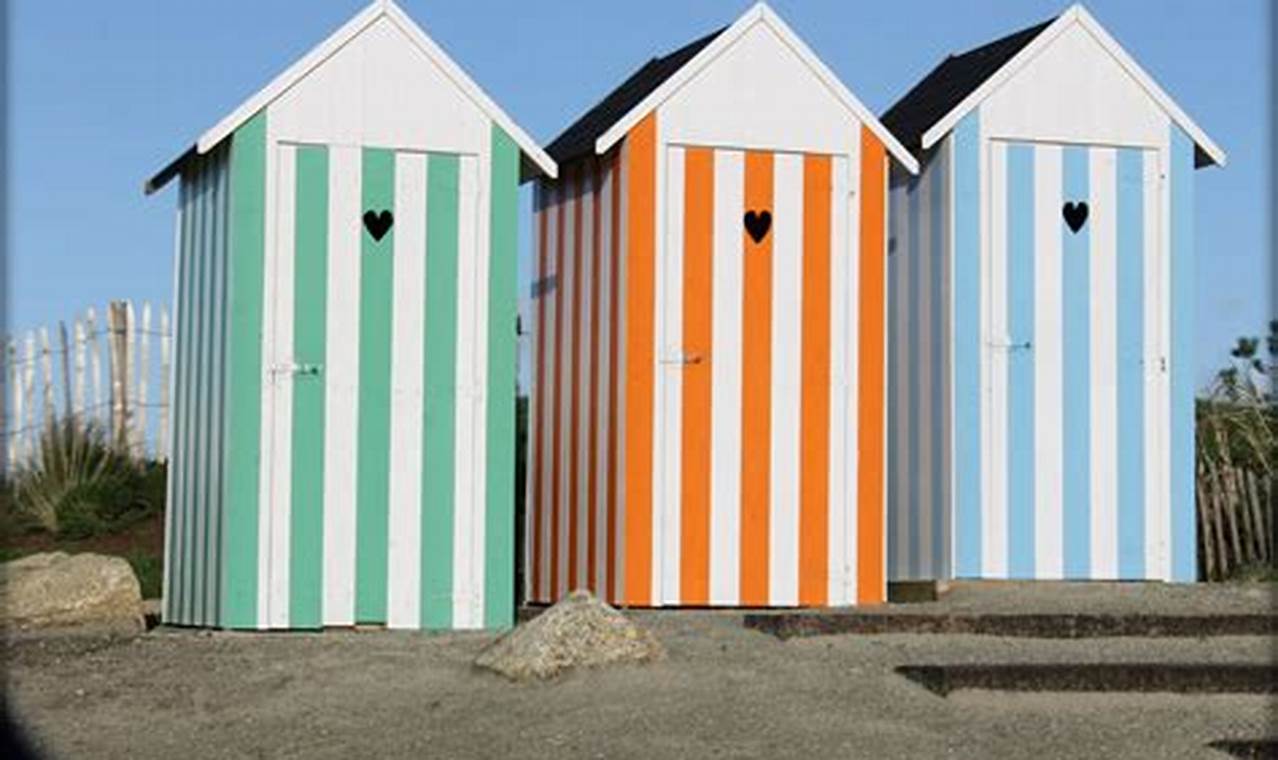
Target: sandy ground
x,y
723,692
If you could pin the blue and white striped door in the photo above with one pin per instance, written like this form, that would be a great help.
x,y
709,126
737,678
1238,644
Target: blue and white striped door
x,y
1075,460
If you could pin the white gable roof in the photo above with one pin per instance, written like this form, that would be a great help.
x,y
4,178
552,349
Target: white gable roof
x,y
759,14
362,21
1075,15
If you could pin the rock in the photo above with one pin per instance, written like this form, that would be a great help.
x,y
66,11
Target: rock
x,y
57,589
579,631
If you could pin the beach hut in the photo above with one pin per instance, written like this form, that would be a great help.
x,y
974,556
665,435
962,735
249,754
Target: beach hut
x,y
708,319
1041,328
344,404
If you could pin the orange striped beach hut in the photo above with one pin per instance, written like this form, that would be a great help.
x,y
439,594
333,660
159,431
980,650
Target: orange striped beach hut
x,y
708,363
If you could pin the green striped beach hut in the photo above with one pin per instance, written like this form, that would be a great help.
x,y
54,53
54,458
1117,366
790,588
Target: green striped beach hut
x,y
344,383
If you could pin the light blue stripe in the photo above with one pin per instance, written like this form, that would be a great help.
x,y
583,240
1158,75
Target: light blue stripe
x,y
1020,361
936,216
1076,355
1131,365
914,360
1184,558
894,348
967,346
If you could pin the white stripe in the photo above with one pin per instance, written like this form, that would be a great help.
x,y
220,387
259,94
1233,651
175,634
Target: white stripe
x,y
851,199
603,475
667,543
550,290
922,352
584,364
265,523
569,327
281,459
403,550
469,397
787,383
1104,362
839,508
901,460
341,385
1048,365
623,229
725,378
1155,510
481,222
994,506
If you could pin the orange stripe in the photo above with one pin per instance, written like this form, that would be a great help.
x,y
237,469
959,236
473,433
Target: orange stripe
x,y
613,318
756,386
540,414
640,303
869,523
698,241
555,405
574,430
592,474
814,431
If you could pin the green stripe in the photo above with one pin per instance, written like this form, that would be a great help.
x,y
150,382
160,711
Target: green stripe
x,y
198,474
440,391
310,278
499,528
248,238
372,469
177,483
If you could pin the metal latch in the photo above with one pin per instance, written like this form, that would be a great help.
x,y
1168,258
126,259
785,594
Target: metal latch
x,y
1008,344
681,357
303,369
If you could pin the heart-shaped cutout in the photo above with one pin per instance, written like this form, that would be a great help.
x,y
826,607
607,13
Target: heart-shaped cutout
x,y
378,223
757,224
1075,215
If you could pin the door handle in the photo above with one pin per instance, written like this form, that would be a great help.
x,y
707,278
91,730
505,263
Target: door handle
x,y
682,358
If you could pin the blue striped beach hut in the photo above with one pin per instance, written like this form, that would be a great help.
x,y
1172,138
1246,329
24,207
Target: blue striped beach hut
x,y
344,388
1041,316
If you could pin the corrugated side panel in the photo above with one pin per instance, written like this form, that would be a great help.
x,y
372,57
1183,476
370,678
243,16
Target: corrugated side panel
x,y
193,521
918,395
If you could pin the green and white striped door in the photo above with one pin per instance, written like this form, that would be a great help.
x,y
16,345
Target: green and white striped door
x,y
372,403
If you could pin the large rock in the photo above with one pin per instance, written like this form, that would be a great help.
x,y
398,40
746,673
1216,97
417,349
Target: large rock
x,y
57,589
579,631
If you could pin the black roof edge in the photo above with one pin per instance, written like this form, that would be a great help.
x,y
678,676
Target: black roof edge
x,y
578,139
166,175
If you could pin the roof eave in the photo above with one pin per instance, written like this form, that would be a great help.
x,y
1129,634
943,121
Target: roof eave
x,y
760,12
322,52
1211,152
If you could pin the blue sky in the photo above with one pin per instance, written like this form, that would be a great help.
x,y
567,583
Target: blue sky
x,y
104,93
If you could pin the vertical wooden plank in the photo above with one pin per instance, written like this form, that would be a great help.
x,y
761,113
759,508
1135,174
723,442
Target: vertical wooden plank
x,y
117,320
130,378
78,397
162,431
143,375
65,353
46,379
14,416
28,400
95,363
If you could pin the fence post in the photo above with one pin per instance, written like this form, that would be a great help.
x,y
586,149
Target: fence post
x,y
144,373
14,418
162,433
78,337
95,362
28,396
46,376
67,410
117,319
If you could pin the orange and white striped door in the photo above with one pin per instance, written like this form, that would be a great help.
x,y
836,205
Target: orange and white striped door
x,y
762,479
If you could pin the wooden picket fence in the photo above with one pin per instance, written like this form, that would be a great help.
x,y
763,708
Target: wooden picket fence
x,y
1237,429
102,369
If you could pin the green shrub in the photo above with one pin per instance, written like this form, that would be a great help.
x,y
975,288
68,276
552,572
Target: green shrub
x,y
149,568
81,485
